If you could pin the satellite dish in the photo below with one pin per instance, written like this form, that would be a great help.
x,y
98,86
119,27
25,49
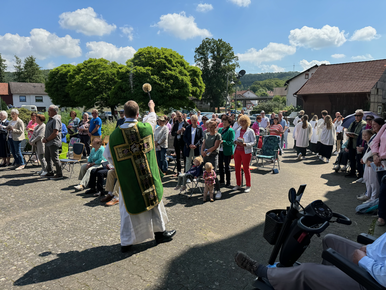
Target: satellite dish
x,y
241,73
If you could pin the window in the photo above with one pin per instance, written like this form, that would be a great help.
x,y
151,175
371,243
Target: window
x,y
306,75
38,99
22,99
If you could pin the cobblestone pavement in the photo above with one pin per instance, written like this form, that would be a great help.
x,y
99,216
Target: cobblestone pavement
x,y
54,238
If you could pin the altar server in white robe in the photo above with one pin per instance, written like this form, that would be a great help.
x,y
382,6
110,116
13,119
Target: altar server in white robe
x,y
303,132
137,228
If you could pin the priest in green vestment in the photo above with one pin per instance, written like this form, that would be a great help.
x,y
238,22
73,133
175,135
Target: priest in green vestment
x,y
131,150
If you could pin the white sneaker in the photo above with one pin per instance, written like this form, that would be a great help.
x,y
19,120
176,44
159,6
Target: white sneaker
x,y
236,187
218,195
299,156
327,160
343,168
363,197
43,173
188,181
336,167
78,187
359,180
247,189
321,158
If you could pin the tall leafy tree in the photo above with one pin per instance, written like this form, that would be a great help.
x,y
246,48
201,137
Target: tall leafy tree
x,y
56,86
216,60
172,79
90,83
31,71
3,68
18,74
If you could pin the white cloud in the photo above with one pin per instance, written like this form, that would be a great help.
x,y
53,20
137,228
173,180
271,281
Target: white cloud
x,y
317,38
338,55
307,64
204,7
241,3
365,34
272,52
127,31
50,65
181,26
271,68
109,51
41,44
363,57
85,21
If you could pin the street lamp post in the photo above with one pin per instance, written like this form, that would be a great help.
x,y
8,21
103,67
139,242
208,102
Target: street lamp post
x,y
239,75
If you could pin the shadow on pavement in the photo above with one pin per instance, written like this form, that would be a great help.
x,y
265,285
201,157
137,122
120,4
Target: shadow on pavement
x,y
75,262
18,182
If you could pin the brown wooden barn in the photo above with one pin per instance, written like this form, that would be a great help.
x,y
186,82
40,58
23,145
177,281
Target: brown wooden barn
x,y
344,88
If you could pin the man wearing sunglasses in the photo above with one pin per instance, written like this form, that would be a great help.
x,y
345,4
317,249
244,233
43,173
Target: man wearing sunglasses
x,y
353,132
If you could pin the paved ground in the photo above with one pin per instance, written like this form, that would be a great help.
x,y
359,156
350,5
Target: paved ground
x,y
54,238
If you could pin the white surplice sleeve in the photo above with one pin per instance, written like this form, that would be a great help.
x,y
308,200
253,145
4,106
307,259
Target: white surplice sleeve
x,y
151,119
107,154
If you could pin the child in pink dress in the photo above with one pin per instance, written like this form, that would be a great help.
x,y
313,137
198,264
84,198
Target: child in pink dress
x,y
209,177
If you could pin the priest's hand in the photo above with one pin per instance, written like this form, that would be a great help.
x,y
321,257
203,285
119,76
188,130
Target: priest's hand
x,y
151,106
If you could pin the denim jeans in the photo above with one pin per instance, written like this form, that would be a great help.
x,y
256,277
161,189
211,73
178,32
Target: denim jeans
x,y
161,159
15,147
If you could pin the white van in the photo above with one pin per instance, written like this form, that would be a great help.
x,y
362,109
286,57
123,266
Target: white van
x,y
30,107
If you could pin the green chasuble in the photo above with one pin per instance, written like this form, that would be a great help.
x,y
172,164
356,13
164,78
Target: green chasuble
x,y
136,166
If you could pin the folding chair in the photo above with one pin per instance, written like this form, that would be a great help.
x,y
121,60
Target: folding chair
x,y
70,152
27,153
77,151
270,149
194,183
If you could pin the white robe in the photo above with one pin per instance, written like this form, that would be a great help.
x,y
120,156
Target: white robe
x,y
137,228
302,136
314,138
327,137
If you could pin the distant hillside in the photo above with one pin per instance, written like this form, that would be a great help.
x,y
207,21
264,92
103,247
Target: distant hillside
x,y
9,75
249,79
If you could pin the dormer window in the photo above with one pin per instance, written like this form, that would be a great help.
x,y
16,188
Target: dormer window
x,y
306,76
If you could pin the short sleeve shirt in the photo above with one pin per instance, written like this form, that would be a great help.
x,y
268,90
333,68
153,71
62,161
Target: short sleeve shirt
x,y
54,124
96,122
210,140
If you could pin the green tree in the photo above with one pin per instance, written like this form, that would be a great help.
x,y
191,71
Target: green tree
x,y
3,105
31,71
216,60
267,85
280,99
172,79
3,68
90,83
18,74
56,86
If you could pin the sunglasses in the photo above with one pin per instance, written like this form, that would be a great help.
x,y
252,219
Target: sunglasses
x,y
369,119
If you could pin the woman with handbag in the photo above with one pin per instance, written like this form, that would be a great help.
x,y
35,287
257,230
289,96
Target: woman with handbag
x,y
226,149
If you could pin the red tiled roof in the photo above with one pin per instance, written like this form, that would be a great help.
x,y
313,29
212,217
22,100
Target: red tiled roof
x,y
353,77
4,89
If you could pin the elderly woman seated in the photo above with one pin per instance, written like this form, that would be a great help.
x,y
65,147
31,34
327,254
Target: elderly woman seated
x,y
94,161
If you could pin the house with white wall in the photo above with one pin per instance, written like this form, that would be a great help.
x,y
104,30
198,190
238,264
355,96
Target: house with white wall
x,y
295,83
30,94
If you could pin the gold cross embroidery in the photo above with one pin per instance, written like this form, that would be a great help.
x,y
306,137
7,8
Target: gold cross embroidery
x,y
135,149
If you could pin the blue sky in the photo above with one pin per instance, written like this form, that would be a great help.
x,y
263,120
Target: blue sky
x,y
268,36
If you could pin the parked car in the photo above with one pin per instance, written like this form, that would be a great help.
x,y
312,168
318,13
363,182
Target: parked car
x,y
32,108
106,116
292,117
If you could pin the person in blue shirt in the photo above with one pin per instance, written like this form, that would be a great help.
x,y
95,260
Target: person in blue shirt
x,y
95,129
64,131
122,119
94,161
371,258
